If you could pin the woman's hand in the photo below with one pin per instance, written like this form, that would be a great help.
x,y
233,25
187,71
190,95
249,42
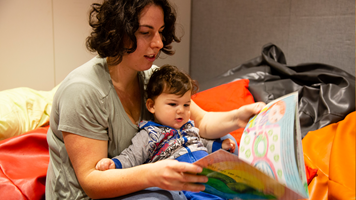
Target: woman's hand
x,y
174,175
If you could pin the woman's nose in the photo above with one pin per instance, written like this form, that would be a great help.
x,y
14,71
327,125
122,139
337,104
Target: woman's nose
x,y
157,41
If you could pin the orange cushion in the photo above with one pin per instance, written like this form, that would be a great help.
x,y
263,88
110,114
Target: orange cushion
x,y
331,150
226,97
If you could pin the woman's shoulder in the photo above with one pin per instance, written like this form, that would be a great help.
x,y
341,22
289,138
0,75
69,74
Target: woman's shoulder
x,y
91,78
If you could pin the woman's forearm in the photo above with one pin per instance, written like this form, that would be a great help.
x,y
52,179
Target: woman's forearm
x,y
165,174
117,182
84,153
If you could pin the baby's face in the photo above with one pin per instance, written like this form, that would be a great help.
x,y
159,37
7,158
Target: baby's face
x,y
172,110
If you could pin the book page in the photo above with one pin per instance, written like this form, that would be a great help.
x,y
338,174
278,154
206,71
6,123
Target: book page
x,y
232,178
271,143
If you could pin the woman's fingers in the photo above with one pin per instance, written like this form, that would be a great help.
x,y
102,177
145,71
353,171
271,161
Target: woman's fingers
x,y
174,175
187,167
187,172
193,178
193,187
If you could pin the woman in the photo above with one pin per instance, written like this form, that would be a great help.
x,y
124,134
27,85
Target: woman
x,y
97,107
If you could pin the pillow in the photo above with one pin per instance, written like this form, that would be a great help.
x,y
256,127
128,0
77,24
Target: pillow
x,y
23,165
225,97
24,109
331,151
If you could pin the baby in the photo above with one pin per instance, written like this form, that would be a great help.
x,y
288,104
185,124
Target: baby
x,y
171,135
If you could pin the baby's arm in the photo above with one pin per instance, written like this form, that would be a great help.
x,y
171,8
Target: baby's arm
x,y
136,154
128,157
105,164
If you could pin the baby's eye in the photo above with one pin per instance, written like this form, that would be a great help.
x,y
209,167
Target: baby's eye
x,y
172,104
186,105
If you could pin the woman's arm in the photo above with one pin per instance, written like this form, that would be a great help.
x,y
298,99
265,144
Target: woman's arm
x,y
84,153
214,125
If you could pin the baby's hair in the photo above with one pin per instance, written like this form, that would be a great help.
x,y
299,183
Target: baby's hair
x,y
169,79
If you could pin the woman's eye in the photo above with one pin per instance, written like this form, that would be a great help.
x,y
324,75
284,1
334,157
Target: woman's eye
x,y
144,33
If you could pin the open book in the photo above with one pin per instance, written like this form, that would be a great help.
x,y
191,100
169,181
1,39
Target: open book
x,y
270,164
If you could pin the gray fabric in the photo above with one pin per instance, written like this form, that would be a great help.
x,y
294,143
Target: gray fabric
x,y
227,33
150,144
86,104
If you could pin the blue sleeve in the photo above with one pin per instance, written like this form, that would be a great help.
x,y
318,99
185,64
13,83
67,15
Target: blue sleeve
x,y
117,162
217,144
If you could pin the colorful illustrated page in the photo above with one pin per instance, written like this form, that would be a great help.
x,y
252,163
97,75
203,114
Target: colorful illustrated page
x,y
232,178
268,143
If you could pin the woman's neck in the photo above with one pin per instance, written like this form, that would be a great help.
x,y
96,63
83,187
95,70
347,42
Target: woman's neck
x,y
126,84
123,78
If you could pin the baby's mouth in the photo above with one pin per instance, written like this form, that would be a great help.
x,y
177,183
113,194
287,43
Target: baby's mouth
x,y
179,119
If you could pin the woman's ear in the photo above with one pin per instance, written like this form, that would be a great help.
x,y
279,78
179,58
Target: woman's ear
x,y
150,105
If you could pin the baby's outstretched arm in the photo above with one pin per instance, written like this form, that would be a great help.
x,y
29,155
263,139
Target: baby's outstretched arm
x,y
229,145
105,164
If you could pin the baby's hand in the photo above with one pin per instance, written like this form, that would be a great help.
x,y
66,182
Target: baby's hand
x,y
105,164
229,145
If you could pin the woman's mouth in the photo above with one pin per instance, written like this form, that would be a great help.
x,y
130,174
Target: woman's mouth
x,y
150,57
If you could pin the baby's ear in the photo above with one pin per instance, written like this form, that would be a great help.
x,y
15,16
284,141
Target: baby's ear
x,y
150,105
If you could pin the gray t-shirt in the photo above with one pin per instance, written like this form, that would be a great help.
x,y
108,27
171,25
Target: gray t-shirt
x,y
87,104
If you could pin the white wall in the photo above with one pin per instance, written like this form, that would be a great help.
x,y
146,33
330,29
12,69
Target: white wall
x,y
41,41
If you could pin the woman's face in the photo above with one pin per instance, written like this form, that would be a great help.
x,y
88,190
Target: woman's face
x,y
149,39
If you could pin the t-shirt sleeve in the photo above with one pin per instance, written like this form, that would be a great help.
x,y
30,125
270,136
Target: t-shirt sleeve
x,y
82,111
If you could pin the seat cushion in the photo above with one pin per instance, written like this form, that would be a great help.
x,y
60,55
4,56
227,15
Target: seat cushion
x,y
331,150
23,165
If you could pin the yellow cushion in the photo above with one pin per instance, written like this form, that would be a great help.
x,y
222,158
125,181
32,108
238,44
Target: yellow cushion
x,y
23,109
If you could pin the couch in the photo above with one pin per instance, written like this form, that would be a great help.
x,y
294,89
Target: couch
x,y
326,110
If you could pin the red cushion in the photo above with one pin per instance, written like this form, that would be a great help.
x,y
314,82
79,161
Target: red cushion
x,y
23,165
226,97
310,172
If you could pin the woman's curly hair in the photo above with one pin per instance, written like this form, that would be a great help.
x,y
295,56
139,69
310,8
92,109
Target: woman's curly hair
x,y
113,21
169,79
